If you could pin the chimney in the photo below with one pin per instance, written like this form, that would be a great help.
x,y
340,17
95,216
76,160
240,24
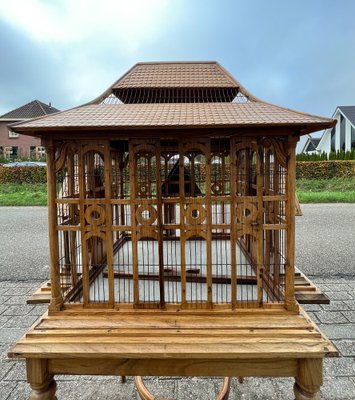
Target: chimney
x,y
50,104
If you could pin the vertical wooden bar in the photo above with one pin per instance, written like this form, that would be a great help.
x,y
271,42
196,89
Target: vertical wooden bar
x,y
260,232
84,239
108,224
182,224
72,235
290,220
158,168
267,211
133,185
277,233
209,225
56,298
233,238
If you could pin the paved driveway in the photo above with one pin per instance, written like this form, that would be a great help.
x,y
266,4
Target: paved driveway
x,y
325,241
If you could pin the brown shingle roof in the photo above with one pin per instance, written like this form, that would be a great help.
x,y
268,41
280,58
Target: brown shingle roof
x,y
182,115
30,110
176,75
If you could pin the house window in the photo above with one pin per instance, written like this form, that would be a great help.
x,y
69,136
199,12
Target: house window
x,y
10,152
32,152
12,134
14,152
342,133
40,151
352,137
1,151
332,140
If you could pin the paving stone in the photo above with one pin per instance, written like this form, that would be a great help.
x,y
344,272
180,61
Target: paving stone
x,y
331,317
17,372
346,347
339,295
338,287
351,304
5,368
3,290
21,391
18,310
162,387
350,315
20,321
20,291
338,389
9,284
193,388
339,331
11,335
343,366
311,307
284,388
253,388
4,319
6,389
335,305
16,300
96,390
313,317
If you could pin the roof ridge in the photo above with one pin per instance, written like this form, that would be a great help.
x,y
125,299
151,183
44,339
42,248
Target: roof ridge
x,y
41,105
174,62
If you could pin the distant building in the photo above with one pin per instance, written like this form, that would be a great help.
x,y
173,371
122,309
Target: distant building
x,y
13,145
341,136
310,146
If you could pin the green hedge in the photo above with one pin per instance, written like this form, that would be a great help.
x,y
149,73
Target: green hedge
x,y
324,169
21,175
334,155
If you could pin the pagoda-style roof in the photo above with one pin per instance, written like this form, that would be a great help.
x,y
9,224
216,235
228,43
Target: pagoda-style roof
x,y
175,95
182,115
32,109
176,75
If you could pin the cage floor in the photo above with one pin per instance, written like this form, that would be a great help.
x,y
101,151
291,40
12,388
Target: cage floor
x,y
196,273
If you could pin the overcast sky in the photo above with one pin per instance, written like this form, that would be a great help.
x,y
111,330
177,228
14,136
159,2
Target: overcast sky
x,y
299,54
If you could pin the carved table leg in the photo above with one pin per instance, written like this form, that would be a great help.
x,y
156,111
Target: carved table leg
x,y
42,383
309,379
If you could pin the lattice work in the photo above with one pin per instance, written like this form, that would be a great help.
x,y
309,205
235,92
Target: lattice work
x,y
163,223
174,95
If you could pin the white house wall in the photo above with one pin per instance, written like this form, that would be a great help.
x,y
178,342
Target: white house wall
x,y
325,143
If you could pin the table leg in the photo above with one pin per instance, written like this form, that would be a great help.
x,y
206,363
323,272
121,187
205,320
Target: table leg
x,y
309,379
42,383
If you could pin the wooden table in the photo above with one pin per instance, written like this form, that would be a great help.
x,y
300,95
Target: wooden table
x,y
242,343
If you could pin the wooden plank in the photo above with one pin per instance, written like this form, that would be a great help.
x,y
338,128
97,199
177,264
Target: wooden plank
x,y
162,367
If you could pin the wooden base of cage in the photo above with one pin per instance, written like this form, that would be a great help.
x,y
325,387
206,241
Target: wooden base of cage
x,y
145,394
243,343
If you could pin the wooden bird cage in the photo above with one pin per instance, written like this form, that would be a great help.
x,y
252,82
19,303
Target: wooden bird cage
x,y
173,193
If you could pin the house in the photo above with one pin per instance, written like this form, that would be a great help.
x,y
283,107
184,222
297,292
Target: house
x,y
341,136
310,146
14,145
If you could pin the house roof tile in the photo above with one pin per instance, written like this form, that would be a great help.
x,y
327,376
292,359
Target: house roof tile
x,y
30,110
349,112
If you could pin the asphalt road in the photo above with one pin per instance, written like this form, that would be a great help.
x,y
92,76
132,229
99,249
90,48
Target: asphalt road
x,y
325,241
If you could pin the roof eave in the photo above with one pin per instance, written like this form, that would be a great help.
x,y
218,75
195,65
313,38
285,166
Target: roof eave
x,y
294,128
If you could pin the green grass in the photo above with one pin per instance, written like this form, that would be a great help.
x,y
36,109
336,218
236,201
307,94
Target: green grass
x,y
23,195
335,190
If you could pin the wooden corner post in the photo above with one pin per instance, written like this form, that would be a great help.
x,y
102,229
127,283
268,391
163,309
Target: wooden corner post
x,y
56,302
290,300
